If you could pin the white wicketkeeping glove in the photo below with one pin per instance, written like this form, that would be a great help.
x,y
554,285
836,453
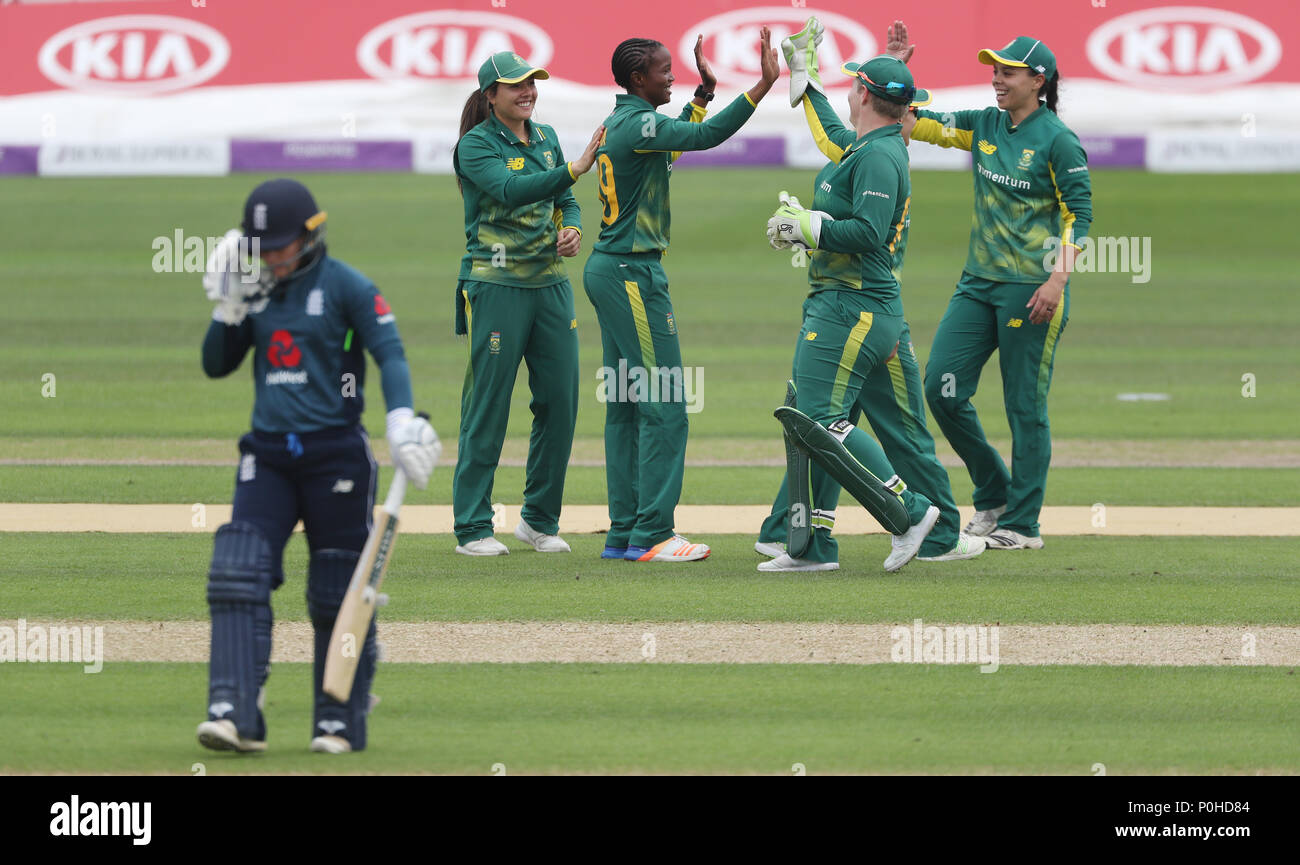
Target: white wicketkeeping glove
x,y
795,225
800,52
223,281
414,445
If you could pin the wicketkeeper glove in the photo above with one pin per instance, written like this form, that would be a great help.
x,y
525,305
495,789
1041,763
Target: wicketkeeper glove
x,y
224,282
795,225
800,52
414,445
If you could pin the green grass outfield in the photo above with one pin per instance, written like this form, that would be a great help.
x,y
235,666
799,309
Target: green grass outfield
x,y
705,485
1077,580
763,719
83,303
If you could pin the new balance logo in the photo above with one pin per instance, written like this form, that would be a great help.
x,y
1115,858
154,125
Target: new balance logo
x,y
342,485
331,728
220,710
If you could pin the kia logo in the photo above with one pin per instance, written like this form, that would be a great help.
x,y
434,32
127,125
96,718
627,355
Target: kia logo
x,y
134,54
1184,48
731,42
448,43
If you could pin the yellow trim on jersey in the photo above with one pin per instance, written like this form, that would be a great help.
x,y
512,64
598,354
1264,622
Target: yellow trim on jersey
x,y
933,132
573,227
697,112
1067,216
830,149
569,165
750,101
902,221
642,325
852,348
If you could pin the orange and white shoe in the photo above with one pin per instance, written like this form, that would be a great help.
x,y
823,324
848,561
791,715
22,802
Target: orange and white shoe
x,y
675,549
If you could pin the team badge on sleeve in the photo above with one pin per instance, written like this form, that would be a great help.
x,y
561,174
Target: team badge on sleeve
x,y
494,342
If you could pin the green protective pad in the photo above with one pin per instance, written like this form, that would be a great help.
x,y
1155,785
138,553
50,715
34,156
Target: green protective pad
x,y
799,513
824,449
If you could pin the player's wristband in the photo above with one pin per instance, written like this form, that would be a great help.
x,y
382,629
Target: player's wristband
x,y
701,93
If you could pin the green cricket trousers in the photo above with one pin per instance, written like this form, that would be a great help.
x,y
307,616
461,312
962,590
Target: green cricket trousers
x,y
984,316
894,404
506,325
645,431
841,344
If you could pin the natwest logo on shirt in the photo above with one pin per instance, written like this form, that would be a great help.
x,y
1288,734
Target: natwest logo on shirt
x,y
282,351
383,312
1184,48
140,54
731,42
448,43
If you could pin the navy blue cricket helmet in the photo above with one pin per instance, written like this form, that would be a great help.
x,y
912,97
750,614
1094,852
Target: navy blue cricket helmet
x,y
277,213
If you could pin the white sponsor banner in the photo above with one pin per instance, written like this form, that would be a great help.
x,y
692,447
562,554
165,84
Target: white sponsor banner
x,y
73,159
1222,152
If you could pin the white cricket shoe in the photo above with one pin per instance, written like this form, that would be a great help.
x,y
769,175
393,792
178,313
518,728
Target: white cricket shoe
x,y
1005,539
222,736
771,550
331,745
488,546
675,549
984,521
785,562
909,543
540,542
967,547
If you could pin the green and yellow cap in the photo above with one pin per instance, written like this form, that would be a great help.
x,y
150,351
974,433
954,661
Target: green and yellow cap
x,y
889,78
1023,51
507,67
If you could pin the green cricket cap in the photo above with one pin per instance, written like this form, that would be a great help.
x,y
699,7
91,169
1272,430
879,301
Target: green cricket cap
x,y
507,67
1023,51
889,78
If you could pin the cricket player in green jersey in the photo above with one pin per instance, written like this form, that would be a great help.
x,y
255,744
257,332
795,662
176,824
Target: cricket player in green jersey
x,y
891,397
645,438
853,321
514,302
1033,206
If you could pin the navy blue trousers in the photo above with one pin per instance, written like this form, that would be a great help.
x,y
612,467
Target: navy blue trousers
x,y
327,479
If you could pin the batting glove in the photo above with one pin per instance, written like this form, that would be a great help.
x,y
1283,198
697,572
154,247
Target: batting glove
x,y
414,445
800,52
224,282
795,225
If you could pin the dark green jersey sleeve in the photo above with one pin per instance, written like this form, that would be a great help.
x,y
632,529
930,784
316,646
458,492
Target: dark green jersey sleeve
x,y
875,187
659,133
224,347
947,128
478,162
1069,169
830,133
569,215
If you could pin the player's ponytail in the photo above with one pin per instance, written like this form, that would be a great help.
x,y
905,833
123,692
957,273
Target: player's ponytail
x,y
1050,94
476,110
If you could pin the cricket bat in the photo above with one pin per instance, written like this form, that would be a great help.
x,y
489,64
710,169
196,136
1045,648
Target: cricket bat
x,y
358,608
